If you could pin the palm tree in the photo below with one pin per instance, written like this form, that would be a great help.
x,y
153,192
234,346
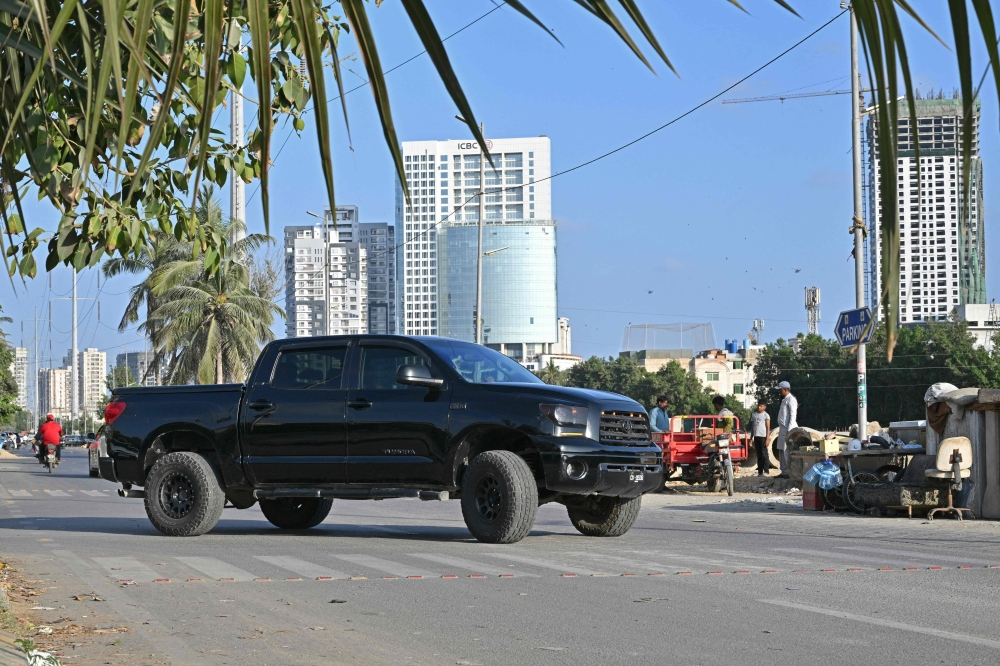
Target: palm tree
x,y
210,325
162,249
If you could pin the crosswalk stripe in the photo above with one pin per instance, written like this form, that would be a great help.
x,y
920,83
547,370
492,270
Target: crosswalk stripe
x,y
636,564
833,556
20,493
922,556
216,568
127,568
56,493
469,565
547,564
388,566
93,493
300,567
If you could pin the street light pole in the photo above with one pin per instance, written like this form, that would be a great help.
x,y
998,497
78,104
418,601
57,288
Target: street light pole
x,y
858,227
326,266
479,246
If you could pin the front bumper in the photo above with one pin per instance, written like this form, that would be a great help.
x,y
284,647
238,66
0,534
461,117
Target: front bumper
x,y
614,471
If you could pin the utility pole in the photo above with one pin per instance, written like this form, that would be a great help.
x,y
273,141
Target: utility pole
x,y
858,227
237,193
479,245
77,388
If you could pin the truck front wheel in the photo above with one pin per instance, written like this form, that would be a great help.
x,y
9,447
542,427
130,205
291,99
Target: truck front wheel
x,y
296,513
183,497
604,516
499,497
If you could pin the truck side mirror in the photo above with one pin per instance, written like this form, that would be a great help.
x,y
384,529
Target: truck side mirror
x,y
417,375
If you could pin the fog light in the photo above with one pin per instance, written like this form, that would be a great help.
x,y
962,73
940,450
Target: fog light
x,y
576,469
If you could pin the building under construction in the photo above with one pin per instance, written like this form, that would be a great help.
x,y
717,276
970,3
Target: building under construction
x,y
942,255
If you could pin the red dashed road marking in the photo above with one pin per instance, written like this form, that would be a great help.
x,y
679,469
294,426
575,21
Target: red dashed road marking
x,y
566,575
910,569
261,580
483,575
390,577
415,577
508,575
196,580
685,573
293,578
324,577
626,575
656,573
162,580
228,580
741,571
769,571
126,581
854,569
801,571
965,566
935,568
885,568
828,570
715,573
358,578
993,566
450,576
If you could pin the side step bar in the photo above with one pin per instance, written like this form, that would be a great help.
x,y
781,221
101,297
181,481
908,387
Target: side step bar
x,y
353,493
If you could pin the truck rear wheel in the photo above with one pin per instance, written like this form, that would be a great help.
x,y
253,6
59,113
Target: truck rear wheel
x,y
499,497
296,513
183,497
604,516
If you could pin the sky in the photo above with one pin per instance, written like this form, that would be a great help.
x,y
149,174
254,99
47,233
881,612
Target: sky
x,y
725,216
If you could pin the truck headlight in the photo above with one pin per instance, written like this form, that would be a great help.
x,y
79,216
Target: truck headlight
x,y
565,415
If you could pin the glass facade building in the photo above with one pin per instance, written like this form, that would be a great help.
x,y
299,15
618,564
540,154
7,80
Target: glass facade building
x,y
519,284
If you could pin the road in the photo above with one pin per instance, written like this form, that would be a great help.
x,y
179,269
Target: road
x,y
701,579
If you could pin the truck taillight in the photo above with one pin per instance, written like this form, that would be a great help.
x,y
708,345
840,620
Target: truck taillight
x,y
113,411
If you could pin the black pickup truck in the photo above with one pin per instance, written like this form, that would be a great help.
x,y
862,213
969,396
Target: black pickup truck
x,y
376,417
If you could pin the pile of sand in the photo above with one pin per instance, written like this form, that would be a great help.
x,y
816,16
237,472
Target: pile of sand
x,y
4,453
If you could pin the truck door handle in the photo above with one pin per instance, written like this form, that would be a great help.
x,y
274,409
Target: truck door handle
x,y
363,403
261,404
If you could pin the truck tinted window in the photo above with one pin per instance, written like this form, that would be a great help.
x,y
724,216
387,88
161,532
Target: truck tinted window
x,y
481,365
310,369
378,370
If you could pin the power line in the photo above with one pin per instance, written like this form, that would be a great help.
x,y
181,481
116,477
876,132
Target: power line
x,y
770,62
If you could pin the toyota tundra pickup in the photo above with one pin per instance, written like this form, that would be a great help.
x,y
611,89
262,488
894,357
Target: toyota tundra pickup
x,y
376,417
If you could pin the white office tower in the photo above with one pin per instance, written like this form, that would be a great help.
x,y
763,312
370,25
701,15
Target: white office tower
x,y
379,240
326,290
445,179
942,261
93,369
19,369
54,397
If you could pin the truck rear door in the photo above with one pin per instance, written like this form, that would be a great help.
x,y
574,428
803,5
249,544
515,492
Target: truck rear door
x,y
295,428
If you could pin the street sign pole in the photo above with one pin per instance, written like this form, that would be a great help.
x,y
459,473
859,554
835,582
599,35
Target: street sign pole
x,y
858,227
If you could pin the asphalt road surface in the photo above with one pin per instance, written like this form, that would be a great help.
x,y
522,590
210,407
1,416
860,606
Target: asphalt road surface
x,y
701,579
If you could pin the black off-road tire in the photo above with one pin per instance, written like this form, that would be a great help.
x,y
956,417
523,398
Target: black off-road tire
x,y
296,513
499,497
605,516
183,495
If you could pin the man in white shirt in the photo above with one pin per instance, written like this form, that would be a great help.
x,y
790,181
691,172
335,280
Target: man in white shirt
x,y
760,428
786,421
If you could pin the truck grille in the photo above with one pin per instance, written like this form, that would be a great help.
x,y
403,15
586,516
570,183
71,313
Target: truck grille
x,y
624,428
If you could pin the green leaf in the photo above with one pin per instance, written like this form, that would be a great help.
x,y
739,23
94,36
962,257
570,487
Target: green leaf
x,y
640,21
236,69
257,17
299,124
356,14
518,7
435,49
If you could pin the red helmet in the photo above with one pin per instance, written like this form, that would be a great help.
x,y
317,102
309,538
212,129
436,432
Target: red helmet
x,y
49,417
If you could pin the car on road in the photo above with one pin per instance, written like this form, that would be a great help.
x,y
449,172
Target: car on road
x,y
93,452
376,417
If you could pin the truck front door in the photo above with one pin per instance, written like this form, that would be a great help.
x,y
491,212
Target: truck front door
x,y
295,426
397,434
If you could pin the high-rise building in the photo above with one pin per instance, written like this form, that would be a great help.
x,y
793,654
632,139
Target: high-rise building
x,y
942,260
54,387
20,371
379,240
325,296
138,363
93,369
438,232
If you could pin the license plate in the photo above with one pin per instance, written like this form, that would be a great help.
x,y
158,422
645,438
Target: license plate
x,y
635,476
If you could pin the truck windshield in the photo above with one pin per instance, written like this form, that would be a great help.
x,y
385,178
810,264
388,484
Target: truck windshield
x,y
481,365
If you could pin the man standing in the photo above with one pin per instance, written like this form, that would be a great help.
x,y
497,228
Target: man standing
x,y
760,428
786,421
659,420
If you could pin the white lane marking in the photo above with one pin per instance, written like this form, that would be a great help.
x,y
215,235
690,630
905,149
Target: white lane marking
x,y
20,493
922,556
301,567
469,565
93,493
3,492
546,564
388,566
123,568
57,493
899,626
214,568
834,556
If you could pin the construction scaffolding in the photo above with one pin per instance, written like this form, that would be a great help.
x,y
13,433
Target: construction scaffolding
x,y
696,337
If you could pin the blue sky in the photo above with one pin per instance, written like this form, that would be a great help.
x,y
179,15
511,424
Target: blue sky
x,y
713,214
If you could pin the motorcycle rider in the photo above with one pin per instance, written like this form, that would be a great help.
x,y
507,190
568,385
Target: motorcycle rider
x,y
49,432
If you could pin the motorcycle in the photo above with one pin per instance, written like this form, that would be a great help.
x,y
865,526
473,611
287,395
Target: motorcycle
x,y
48,456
